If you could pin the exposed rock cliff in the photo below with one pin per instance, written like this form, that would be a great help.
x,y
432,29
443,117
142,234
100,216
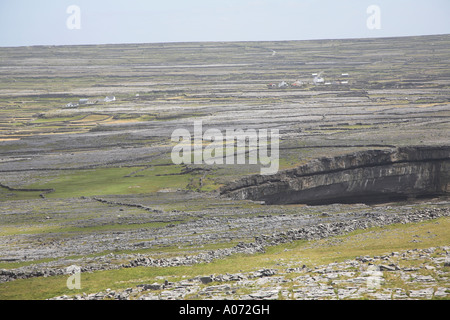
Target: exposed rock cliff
x,y
365,176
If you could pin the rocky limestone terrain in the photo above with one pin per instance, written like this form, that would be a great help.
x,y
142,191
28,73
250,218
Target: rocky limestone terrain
x,y
94,186
318,231
359,278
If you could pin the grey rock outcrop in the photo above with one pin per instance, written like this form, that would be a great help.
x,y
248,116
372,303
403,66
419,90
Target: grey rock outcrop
x,y
365,176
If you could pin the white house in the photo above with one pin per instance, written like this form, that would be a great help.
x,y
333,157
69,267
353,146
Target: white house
x,y
109,99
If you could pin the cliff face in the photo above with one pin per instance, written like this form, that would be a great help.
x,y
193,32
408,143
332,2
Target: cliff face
x,y
361,177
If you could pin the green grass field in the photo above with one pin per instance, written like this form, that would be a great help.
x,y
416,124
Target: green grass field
x,y
120,181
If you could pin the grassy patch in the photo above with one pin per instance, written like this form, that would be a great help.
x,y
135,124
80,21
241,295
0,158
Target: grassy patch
x,y
374,241
106,181
18,195
119,181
